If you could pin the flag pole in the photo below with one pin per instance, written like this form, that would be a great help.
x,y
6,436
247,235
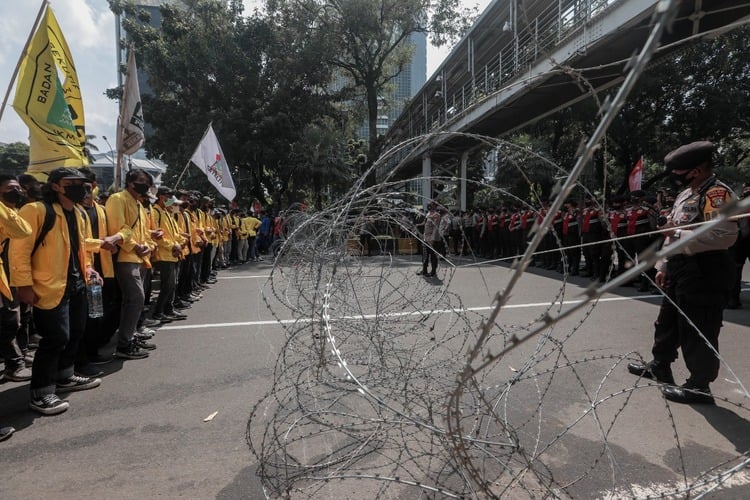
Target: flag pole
x,y
188,163
183,173
23,54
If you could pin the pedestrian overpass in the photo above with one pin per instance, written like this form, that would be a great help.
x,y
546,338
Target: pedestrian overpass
x,y
523,60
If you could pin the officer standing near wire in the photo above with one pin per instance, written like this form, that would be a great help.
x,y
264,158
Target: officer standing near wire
x,y
697,280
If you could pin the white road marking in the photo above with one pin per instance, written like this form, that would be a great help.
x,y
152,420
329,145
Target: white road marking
x,y
395,315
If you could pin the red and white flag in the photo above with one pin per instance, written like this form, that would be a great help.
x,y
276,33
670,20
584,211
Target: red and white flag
x,y
210,159
636,175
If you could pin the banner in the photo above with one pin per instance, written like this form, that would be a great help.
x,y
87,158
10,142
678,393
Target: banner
x,y
130,136
52,110
636,176
210,159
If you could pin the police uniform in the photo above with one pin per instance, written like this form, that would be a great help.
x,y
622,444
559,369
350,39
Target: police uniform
x,y
698,282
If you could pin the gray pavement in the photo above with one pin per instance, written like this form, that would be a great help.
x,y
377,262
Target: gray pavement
x,y
142,433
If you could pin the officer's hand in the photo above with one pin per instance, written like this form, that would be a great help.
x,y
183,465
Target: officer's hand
x,y
110,243
661,279
94,276
26,295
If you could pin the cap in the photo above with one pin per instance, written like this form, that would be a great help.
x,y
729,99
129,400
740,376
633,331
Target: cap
x,y
689,156
61,173
164,191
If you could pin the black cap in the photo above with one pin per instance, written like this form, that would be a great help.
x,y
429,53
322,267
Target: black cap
x,y
164,191
61,173
689,156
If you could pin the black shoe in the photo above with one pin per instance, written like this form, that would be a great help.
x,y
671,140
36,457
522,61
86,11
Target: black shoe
x,y
175,316
162,318
143,344
431,275
100,359
687,394
652,370
6,432
421,273
181,305
88,370
132,351
77,383
49,404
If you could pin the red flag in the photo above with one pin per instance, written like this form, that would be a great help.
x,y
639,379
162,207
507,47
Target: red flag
x,y
636,175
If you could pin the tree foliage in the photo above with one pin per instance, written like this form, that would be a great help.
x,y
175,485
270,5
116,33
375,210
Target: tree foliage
x,y
368,41
700,92
14,157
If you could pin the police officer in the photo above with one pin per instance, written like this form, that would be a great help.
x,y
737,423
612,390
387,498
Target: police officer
x,y
697,280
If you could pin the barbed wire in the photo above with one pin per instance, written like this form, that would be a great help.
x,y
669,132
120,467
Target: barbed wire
x,y
392,385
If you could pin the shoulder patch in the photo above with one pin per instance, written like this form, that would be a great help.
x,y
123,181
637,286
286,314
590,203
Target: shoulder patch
x,y
717,196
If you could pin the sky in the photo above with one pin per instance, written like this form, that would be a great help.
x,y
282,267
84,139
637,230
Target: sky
x,y
89,28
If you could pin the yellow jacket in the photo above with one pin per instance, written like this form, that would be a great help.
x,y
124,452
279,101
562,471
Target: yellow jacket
x,y
250,226
127,217
93,245
163,220
12,226
47,270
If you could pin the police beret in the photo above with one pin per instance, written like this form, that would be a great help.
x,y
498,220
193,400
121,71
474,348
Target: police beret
x,y
61,173
689,155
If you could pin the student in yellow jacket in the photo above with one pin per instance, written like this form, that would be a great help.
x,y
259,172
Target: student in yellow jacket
x,y
127,217
251,225
50,272
11,226
169,252
102,246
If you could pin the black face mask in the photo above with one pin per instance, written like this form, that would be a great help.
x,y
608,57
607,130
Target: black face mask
x,y
679,179
75,193
13,197
141,189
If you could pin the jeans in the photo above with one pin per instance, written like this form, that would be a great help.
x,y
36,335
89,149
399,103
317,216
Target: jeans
x,y
60,330
130,277
168,285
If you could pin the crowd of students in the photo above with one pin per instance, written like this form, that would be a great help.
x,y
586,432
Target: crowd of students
x,y
78,265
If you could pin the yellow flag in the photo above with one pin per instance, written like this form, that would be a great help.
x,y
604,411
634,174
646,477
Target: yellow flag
x,y
52,110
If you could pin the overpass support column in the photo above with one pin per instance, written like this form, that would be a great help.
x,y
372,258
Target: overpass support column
x,y
426,180
462,178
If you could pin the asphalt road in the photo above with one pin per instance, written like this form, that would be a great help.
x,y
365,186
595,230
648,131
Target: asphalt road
x,y
142,433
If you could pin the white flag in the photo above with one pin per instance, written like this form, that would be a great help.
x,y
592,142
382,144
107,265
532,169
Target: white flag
x,y
130,132
210,159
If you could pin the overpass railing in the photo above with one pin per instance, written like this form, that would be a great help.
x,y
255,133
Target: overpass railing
x,y
554,24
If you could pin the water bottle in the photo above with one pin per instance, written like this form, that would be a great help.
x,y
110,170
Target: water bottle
x,y
94,296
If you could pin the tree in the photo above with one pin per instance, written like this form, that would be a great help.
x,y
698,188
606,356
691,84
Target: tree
x,y
368,40
207,63
14,157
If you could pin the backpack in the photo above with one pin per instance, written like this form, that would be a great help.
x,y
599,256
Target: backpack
x,y
49,222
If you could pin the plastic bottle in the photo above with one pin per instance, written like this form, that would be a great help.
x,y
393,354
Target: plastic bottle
x,y
94,296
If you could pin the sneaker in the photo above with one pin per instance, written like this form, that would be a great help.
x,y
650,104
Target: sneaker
x,y
161,318
6,432
77,383
146,331
142,344
181,305
101,359
148,322
132,351
49,404
21,374
88,370
142,336
175,316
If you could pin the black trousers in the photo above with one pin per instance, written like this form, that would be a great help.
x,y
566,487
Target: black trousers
x,y
60,328
699,286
